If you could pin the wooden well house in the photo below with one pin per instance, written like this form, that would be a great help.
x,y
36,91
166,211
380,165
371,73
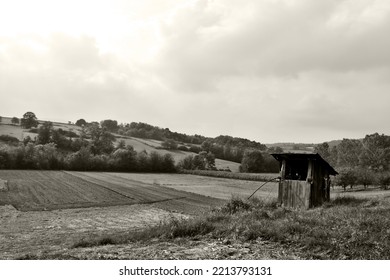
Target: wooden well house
x,y
304,180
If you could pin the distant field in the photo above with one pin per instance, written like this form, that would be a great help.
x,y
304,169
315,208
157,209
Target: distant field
x,y
6,128
14,131
40,190
208,186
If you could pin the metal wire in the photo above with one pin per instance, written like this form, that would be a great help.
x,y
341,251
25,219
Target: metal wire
x,y
263,185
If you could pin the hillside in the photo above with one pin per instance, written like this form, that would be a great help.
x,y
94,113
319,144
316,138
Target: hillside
x,y
139,144
150,145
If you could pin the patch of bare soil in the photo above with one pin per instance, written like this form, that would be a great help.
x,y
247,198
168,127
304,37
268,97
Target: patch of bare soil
x,y
42,232
181,249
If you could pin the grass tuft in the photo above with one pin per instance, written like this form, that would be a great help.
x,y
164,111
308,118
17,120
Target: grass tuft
x,y
236,205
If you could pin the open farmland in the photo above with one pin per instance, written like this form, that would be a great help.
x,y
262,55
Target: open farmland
x,y
208,186
49,190
82,205
50,211
44,214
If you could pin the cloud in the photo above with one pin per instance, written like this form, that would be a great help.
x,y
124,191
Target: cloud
x,y
204,45
297,70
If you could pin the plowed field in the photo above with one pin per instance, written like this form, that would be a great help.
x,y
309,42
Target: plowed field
x,y
48,211
50,190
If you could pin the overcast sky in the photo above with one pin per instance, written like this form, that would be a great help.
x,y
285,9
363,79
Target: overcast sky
x,y
271,71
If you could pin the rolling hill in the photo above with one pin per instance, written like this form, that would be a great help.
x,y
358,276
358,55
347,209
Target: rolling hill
x,y
139,144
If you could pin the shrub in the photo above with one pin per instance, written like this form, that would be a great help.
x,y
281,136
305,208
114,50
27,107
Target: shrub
x,y
183,148
195,149
169,144
9,139
235,205
5,160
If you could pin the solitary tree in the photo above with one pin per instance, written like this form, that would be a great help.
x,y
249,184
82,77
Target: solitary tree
x,y
81,122
346,177
110,125
15,121
29,120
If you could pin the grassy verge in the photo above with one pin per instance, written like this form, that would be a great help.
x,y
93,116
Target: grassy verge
x,y
345,228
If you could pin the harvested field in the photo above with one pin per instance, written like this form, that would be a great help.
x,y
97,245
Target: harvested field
x,y
82,205
49,190
208,186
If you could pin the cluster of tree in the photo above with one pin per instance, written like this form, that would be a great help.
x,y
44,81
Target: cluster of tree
x,y
93,149
372,152
144,130
362,176
223,147
97,138
360,161
231,148
15,121
255,161
226,152
202,161
238,142
48,157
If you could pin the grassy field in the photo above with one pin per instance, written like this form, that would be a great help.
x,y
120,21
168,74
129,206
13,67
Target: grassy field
x,y
6,128
15,131
208,186
99,215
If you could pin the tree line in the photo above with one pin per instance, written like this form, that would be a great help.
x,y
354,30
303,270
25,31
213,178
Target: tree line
x,y
253,156
94,144
360,161
91,150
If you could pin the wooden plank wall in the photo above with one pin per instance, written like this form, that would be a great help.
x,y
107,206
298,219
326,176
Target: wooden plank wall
x,y
318,195
294,194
